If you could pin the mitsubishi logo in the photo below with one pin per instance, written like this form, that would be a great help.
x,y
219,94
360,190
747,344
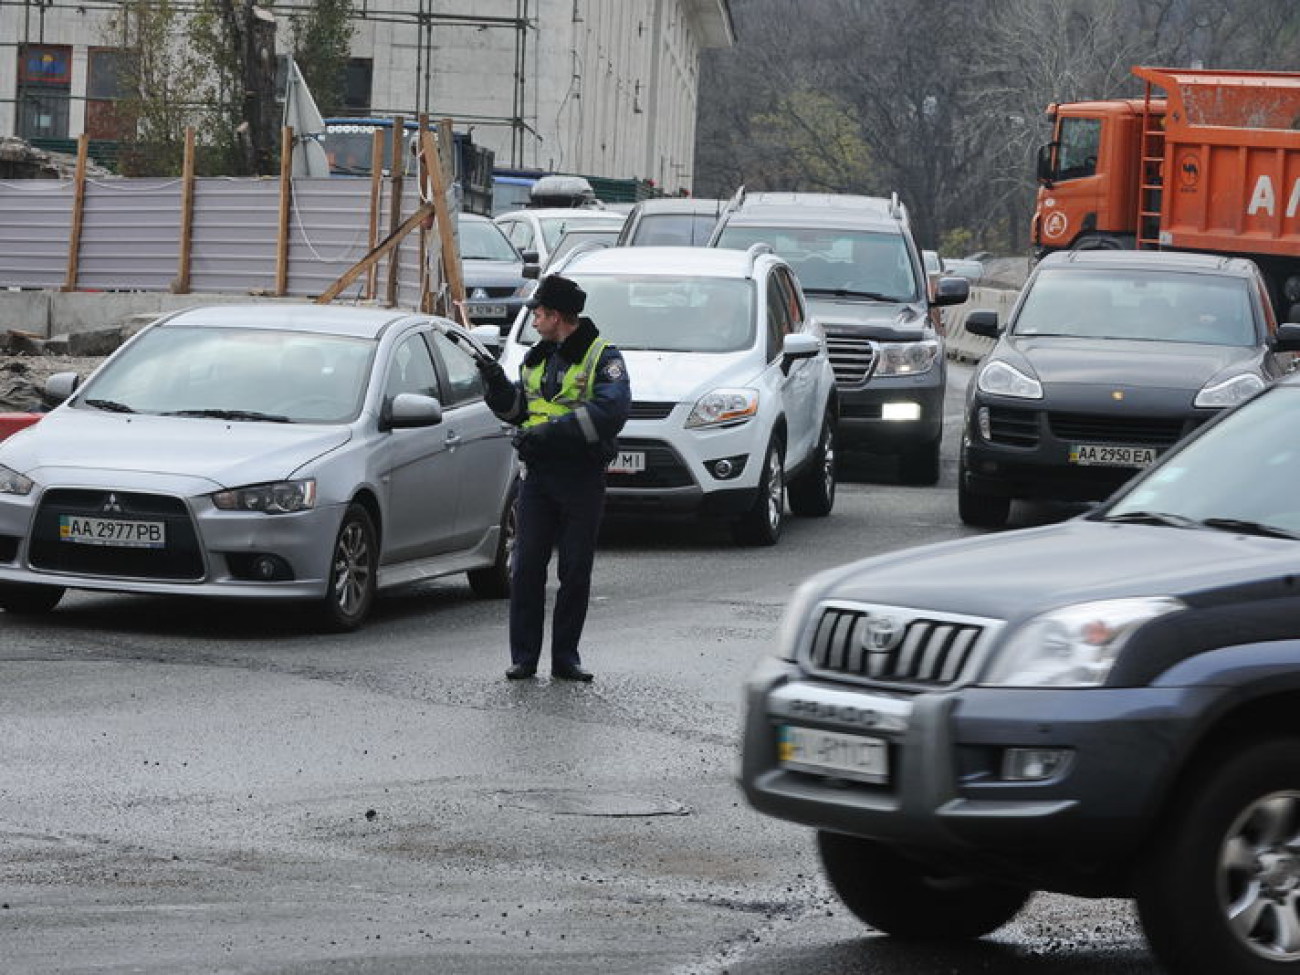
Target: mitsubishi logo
x,y
478,294
111,506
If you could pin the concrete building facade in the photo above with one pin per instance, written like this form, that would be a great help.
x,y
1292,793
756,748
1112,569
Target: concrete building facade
x,y
602,87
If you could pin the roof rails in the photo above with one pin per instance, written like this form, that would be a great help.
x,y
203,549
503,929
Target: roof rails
x,y
755,252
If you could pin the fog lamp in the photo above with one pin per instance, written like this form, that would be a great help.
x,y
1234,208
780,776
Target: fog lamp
x,y
1033,764
726,468
900,411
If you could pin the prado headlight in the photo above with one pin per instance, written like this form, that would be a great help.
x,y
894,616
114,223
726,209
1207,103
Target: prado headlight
x,y
277,498
724,406
906,358
1229,392
1002,379
1074,646
11,482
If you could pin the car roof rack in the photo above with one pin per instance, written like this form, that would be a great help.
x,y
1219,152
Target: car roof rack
x,y
756,251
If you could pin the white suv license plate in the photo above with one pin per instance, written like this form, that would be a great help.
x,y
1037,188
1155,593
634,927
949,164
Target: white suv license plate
x,y
1099,455
832,753
627,462
112,531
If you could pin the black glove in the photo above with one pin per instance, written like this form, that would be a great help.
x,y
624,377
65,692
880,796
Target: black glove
x,y
491,371
529,442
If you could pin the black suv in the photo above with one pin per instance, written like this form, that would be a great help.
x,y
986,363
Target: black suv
x,y
1104,707
1109,357
866,284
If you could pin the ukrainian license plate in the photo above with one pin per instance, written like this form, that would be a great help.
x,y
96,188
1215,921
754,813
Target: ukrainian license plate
x,y
487,311
112,531
627,462
1098,455
832,753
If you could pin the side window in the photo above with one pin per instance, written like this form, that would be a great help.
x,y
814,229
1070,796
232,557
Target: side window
x,y
792,300
411,369
778,317
463,380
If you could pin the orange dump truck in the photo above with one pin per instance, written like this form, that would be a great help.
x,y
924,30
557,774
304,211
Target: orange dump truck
x,y
1206,161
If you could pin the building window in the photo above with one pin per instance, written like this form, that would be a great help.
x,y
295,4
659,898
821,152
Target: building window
x,y
356,85
44,82
105,118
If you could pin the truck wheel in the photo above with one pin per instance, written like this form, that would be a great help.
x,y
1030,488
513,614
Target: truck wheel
x,y
493,581
1221,890
920,466
980,510
29,599
906,899
761,524
812,493
354,566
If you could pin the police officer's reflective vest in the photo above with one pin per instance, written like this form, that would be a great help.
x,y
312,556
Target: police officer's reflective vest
x,y
575,388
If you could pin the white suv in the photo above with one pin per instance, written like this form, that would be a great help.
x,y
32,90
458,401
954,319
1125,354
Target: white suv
x,y
734,403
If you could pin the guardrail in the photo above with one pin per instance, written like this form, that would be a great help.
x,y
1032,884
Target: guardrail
x,y
960,344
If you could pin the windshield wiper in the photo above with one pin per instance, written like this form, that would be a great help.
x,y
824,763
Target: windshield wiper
x,y
849,293
1154,518
1248,527
109,405
232,415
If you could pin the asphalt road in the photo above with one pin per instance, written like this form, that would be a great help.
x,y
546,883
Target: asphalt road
x,y
190,787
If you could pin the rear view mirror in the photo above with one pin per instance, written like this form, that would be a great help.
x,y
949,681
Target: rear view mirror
x,y
982,321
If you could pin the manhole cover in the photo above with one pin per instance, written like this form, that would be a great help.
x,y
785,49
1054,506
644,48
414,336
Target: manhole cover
x,y
566,803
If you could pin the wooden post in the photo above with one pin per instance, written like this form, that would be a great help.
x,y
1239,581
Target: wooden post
x,y
181,285
376,202
433,166
398,166
388,244
78,211
286,196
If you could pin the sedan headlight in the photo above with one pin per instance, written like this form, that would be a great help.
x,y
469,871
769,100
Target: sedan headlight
x,y
1074,646
278,498
1229,392
722,406
906,358
1002,379
11,482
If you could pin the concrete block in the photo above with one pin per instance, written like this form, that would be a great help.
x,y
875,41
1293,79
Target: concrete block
x,y
25,311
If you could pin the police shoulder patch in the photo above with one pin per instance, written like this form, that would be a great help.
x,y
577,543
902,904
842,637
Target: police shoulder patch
x,y
614,370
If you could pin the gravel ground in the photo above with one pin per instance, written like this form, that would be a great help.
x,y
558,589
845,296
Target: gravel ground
x,y
22,377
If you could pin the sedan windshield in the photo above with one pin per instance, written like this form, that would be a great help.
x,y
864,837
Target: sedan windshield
x,y
668,314
237,374
847,263
482,240
1143,305
1239,476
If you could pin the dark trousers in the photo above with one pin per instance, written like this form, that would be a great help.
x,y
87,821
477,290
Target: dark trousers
x,y
559,511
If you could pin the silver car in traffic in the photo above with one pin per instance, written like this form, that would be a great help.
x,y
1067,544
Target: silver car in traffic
x,y
280,450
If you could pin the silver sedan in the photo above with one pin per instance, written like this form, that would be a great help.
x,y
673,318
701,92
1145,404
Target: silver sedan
x,y
263,451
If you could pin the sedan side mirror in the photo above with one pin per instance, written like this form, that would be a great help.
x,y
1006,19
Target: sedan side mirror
x,y
407,410
60,386
982,321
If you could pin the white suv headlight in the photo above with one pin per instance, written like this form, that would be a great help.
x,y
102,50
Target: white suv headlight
x,y
724,406
1074,646
1229,392
1002,379
278,498
906,358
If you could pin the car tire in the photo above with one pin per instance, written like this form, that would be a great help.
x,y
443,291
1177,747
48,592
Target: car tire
x,y
1220,889
906,899
920,466
812,493
761,525
980,510
353,575
493,581
29,599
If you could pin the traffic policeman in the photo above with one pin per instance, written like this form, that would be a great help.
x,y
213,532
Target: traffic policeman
x,y
570,402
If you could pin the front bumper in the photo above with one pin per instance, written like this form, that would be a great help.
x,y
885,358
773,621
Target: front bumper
x,y
945,795
208,552
867,413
